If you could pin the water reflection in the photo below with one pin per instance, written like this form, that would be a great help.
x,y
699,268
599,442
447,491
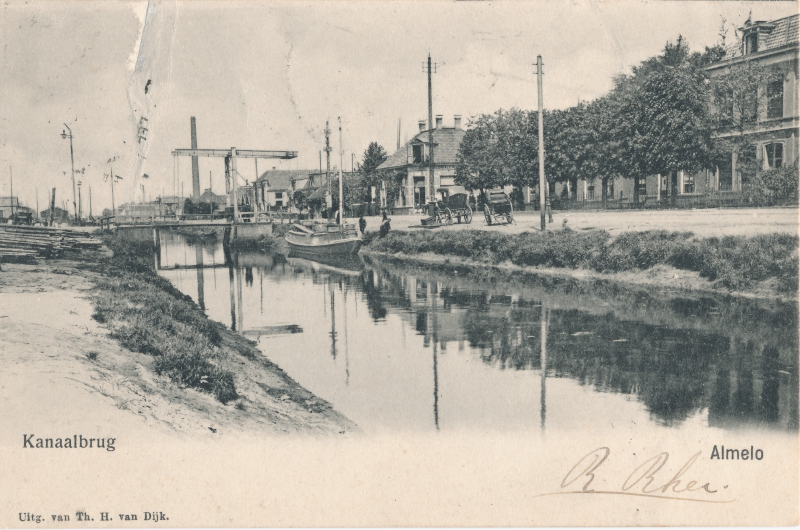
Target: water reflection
x,y
497,346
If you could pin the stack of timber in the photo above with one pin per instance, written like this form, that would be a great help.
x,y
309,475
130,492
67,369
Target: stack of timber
x,y
22,244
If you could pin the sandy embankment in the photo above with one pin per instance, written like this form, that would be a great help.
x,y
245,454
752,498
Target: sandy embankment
x,y
63,374
659,277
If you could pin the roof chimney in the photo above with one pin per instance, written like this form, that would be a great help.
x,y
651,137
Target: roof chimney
x,y
421,125
457,121
438,121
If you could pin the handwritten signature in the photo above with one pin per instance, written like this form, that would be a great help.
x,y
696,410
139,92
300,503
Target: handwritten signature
x,y
641,482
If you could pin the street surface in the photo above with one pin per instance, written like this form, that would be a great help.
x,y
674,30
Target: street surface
x,y
702,222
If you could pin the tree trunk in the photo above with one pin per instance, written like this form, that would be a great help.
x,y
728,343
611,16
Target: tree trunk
x,y
673,192
604,191
573,195
636,189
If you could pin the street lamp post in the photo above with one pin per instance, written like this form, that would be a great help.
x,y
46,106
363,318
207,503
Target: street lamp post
x,y
112,178
64,136
80,203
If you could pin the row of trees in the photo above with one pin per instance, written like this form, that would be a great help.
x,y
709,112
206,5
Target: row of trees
x,y
658,119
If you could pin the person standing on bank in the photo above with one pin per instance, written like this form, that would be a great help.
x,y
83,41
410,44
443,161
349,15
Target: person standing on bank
x,y
385,225
362,224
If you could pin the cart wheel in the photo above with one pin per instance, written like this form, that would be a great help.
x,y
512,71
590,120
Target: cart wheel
x,y
468,215
488,215
448,216
511,213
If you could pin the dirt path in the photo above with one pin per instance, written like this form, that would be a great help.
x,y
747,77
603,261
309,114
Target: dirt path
x,y
64,374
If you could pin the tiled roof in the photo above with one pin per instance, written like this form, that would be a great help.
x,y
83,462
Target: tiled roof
x,y
446,142
784,33
210,196
317,195
281,179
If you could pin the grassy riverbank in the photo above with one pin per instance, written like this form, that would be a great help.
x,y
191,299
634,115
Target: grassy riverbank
x,y
732,262
163,330
146,314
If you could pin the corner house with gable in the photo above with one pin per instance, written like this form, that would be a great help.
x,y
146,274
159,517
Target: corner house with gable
x,y
412,161
773,133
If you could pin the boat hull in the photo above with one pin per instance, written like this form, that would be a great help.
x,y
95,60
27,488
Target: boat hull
x,y
319,246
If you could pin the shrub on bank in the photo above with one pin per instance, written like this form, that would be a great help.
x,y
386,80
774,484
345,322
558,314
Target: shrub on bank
x,y
773,187
734,262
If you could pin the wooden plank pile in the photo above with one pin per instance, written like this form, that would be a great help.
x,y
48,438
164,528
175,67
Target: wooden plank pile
x,y
23,244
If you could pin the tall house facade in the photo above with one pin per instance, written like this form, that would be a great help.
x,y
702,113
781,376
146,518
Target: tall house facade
x,y
771,132
413,161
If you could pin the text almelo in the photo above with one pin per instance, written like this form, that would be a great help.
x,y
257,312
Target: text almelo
x,y
736,454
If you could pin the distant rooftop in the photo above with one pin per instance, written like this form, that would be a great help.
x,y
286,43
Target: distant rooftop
x,y
446,141
281,179
772,35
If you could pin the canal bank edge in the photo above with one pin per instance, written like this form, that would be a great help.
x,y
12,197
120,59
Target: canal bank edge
x,y
660,275
265,399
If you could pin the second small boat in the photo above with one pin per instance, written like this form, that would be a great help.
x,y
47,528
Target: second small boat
x,y
325,240
321,240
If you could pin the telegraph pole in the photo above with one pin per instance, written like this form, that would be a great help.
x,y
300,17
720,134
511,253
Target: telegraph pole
x,y
11,176
64,136
431,191
541,141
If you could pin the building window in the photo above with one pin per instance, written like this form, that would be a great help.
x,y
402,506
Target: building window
x,y
688,183
751,43
590,192
417,154
774,152
775,99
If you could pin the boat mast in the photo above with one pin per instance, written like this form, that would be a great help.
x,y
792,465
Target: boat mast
x,y
341,209
328,202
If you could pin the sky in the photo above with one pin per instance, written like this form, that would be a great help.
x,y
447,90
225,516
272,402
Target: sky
x,y
268,75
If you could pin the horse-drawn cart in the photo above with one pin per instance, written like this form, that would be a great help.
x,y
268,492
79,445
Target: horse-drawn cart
x,y
497,207
456,201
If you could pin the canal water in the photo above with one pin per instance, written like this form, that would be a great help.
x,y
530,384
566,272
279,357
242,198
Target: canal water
x,y
404,348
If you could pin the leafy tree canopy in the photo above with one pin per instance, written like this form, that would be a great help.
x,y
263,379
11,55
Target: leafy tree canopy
x,y
657,119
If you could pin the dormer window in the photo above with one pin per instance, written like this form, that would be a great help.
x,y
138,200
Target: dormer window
x,y
751,42
417,151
